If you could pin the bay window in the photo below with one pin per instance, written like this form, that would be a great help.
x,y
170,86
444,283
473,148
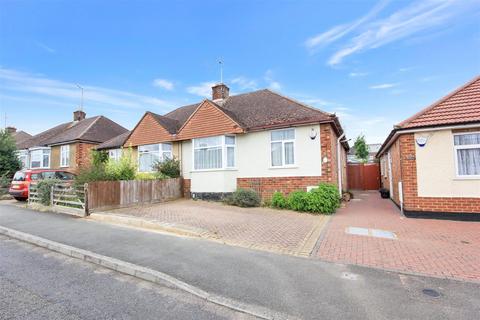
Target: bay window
x,y
65,156
214,153
467,154
282,146
40,158
23,157
150,154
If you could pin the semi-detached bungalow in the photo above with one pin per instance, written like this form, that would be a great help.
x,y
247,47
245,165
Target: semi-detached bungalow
x,y
431,161
260,140
67,146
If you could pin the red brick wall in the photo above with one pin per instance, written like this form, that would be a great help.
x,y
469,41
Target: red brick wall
x,y
82,155
186,188
412,202
265,187
327,137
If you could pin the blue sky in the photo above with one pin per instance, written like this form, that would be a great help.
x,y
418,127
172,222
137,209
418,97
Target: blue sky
x,y
374,63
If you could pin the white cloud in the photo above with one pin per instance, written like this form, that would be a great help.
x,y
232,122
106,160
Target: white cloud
x,y
383,86
357,74
163,83
271,82
340,31
245,83
414,18
203,90
39,85
45,47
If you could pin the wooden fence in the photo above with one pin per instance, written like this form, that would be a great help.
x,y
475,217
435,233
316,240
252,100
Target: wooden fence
x,y
104,195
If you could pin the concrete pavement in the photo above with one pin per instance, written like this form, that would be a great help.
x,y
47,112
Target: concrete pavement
x,y
305,288
36,283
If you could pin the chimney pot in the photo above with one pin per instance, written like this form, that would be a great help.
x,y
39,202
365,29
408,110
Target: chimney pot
x,y
11,129
79,115
220,91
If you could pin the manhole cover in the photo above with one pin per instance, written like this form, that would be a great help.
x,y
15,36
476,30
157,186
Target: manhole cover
x,y
431,293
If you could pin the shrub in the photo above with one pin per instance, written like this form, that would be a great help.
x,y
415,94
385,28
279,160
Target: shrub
x,y
123,169
297,200
99,157
279,201
169,168
9,162
89,174
44,189
149,176
244,198
324,199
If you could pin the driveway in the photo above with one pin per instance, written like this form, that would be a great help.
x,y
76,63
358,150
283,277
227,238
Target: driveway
x,y
279,231
447,249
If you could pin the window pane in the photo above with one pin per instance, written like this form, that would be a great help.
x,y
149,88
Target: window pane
x,y
166,146
230,157
468,162
276,154
208,142
289,154
149,147
167,155
46,158
49,175
208,158
466,139
278,135
146,161
230,140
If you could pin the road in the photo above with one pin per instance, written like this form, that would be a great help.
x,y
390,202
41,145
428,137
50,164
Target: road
x,y
36,283
301,287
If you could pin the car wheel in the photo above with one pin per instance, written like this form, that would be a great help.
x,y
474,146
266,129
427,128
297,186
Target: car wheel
x,y
20,199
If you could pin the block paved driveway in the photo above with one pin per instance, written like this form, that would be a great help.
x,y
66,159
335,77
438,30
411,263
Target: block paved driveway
x,y
279,231
448,249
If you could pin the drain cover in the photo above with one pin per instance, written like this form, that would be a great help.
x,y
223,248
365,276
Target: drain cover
x,y
431,293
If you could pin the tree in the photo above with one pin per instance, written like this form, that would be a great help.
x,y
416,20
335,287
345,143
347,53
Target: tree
x,y
9,162
361,148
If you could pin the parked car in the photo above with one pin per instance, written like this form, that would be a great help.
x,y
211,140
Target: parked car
x,y
22,179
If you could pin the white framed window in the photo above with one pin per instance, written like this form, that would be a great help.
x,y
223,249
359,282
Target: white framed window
x,y
115,154
467,154
23,157
214,153
40,158
150,154
65,156
282,147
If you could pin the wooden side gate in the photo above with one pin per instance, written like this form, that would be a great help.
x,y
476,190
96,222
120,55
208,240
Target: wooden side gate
x,y
363,176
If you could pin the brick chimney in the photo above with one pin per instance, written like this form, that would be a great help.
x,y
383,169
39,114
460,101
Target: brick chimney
x,y
220,91
79,115
11,129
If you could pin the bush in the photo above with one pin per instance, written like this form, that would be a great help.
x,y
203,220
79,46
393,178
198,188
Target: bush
x,y
99,157
279,201
123,169
324,199
44,189
9,162
244,198
297,200
149,176
90,174
169,168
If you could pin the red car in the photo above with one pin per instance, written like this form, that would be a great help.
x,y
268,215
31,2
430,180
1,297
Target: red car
x,y
22,179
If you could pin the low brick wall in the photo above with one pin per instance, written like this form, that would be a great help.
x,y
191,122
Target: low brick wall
x,y
265,187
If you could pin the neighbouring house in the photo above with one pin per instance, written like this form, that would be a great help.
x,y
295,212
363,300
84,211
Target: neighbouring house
x,y
114,146
431,161
18,136
259,140
372,152
67,146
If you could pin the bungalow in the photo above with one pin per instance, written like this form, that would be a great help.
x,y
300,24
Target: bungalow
x,y
431,161
260,140
67,145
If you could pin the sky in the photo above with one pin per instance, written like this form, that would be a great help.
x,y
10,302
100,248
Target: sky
x,y
373,63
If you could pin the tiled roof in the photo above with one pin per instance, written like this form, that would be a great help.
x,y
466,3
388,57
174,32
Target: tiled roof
x,y
260,109
20,137
115,142
460,106
95,129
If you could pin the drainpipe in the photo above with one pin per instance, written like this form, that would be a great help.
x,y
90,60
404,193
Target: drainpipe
x,y
339,164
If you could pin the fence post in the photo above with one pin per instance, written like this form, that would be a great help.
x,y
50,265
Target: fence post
x,y
52,190
85,200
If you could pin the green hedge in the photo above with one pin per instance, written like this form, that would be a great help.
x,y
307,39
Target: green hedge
x,y
325,199
244,198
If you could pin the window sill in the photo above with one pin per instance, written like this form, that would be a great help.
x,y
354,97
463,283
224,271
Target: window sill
x,y
467,178
212,170
284,167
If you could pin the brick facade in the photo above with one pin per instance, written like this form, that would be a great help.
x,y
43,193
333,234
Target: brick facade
x,y
404,168
186,188
82,155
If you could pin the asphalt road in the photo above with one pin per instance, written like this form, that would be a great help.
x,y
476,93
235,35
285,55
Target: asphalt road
x,y
36,283
304,288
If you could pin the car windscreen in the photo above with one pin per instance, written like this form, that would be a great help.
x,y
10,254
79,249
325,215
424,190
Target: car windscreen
x,y
19,176
63,175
